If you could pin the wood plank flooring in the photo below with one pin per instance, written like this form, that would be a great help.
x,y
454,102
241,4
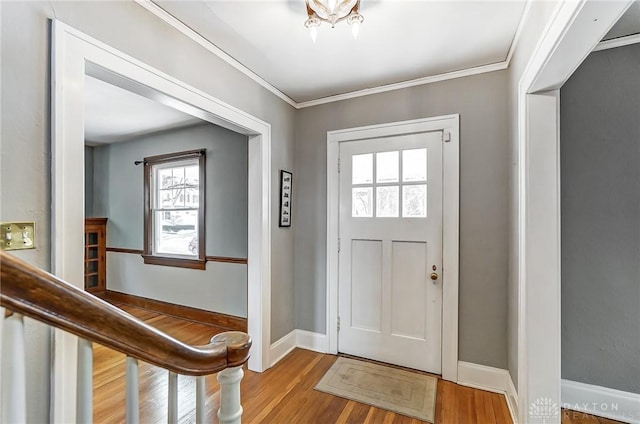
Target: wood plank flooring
x,y
282,395
574,417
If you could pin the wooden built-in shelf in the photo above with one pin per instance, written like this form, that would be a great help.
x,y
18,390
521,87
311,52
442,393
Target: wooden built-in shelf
x,y
95,242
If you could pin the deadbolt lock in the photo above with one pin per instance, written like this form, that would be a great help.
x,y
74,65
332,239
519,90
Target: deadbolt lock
x,y
434,274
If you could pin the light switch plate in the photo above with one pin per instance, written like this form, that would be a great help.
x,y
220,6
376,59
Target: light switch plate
x,y
17,235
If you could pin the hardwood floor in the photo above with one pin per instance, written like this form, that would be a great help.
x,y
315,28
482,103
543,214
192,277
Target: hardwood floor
x,y
282,395
574,417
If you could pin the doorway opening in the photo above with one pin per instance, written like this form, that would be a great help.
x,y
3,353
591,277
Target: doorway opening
x,y
73,55
574,30
447,128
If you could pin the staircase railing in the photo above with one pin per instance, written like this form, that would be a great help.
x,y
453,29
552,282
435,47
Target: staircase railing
x,y
28,291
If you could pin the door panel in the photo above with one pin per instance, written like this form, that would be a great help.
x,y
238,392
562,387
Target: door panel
x,y
366,284
390,238
408,292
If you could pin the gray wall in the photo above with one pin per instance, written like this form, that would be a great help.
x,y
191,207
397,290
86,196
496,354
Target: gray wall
x,y
600,166
118,194
88,181
481,102
25,110
118,186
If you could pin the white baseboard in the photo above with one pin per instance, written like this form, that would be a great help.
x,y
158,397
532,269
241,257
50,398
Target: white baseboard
x,y
297,338
512,399
311,341
482,377
601,401
490,379
282,347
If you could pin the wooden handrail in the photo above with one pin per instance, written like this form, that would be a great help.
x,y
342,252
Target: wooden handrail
x,y
37,294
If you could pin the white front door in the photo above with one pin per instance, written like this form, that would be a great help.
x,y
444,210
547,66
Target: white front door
x,y
389,307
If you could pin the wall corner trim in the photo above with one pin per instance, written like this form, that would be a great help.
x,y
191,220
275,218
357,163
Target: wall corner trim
x,y
297,339
602,401
512,399
496,380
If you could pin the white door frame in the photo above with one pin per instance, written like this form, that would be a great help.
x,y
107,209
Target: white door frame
x,y
449,124
574,29
72,54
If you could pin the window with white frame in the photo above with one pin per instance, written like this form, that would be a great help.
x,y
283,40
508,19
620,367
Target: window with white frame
x,y
174,209
390,184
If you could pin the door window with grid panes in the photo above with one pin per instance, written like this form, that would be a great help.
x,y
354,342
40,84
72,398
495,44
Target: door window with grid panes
x,y
390,184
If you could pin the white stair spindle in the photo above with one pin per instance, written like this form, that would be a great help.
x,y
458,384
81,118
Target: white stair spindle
x,y
2,311
132,408
14,392
84,394
230,411
200,399
173,398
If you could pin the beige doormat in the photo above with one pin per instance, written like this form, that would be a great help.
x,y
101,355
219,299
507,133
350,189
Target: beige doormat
x,y
404,392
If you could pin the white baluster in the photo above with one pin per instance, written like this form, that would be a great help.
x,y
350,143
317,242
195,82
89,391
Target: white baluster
x,y
132,411
173,398
14,392
201,396
84,393
230,411
2,311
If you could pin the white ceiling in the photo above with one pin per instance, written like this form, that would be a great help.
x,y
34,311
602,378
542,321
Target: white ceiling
x,y
437,37
113,114
400,40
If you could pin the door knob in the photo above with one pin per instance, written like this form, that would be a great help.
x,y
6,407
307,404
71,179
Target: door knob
x,y
434,274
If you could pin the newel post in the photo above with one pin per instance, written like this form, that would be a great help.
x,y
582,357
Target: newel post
x,y
230,411
238,345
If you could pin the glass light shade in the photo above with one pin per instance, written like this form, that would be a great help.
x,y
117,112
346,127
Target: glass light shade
x,y
332,12
324,9
313,23
355,19
355,29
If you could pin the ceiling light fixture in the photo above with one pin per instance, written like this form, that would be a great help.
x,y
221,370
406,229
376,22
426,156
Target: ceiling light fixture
x,y
332,12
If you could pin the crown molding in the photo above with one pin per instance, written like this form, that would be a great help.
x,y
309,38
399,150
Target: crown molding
x,y
180,26
618,42
150,6
516,37
405,84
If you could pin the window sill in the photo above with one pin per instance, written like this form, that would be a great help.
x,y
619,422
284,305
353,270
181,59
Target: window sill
x,y
175,262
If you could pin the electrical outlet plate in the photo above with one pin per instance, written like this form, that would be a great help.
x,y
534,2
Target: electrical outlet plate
x,y
17,235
